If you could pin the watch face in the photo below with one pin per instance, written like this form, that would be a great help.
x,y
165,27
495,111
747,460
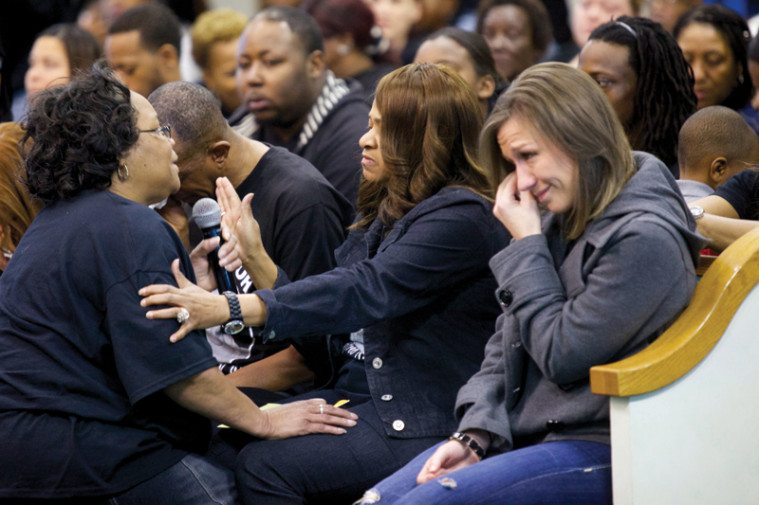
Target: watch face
x,y
233,327
696,211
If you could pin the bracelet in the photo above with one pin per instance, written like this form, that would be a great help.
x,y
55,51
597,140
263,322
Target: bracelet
x,y
469,442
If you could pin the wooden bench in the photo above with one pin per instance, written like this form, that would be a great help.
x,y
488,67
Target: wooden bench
x,y
685,410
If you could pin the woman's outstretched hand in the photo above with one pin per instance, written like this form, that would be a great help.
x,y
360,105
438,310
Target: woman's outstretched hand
x,y
205,309
448,458
307,416
238,219
241,228
517,210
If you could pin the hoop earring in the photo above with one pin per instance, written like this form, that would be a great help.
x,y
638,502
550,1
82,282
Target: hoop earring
x,y
740,78
122,172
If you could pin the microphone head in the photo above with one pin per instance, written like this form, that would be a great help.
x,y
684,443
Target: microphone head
x,y
206,213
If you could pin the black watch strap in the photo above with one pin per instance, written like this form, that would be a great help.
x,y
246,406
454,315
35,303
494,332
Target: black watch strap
x,y
235,324
235,313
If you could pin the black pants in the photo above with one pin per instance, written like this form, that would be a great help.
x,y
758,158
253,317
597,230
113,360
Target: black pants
x,y
324,469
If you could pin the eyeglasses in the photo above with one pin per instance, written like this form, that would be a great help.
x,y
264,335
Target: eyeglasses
x,y
163,130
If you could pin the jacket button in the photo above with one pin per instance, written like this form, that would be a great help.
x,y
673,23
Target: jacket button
x,y
377,363
505,297
386,398
398,425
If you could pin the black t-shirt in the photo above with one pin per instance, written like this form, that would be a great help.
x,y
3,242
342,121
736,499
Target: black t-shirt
x,y
81,369
303,220
333,149
742,192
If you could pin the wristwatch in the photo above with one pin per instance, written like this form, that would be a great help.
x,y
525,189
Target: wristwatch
x,y
696,211
235,324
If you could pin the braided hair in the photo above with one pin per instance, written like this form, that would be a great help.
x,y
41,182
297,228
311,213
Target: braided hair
x,y
730,25
664,97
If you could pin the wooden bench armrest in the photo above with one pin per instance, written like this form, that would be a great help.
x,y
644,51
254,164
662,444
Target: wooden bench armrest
x,y
694,333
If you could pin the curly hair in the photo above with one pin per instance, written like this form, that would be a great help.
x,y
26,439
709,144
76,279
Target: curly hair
x,y
733,28
664,97
431,121
75,135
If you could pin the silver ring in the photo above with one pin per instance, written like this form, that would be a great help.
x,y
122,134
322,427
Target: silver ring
x,y
183,315
321,408
222,213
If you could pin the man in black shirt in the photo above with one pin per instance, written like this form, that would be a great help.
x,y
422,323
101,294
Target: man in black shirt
x,y
296,101
302,218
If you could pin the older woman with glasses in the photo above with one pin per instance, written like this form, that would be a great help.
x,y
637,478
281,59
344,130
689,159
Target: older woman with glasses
x,y
95,404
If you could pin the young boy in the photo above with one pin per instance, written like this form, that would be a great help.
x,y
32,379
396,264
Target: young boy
x,y
714,144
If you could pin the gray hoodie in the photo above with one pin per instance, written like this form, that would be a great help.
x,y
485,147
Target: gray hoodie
x,y
570,306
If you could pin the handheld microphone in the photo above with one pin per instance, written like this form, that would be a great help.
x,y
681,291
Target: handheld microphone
x,y
207,215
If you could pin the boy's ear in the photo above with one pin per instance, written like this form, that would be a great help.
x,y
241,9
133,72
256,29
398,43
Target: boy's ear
x,y
718,170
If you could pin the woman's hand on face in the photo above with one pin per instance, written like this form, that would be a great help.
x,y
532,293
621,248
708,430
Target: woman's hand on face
x,y
517,210
449,457
238,223
205,309
307,416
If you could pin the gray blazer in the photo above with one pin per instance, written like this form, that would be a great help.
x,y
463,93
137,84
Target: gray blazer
x,y
570,306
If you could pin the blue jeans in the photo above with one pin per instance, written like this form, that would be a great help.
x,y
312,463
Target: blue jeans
x,y
192,481
560,473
